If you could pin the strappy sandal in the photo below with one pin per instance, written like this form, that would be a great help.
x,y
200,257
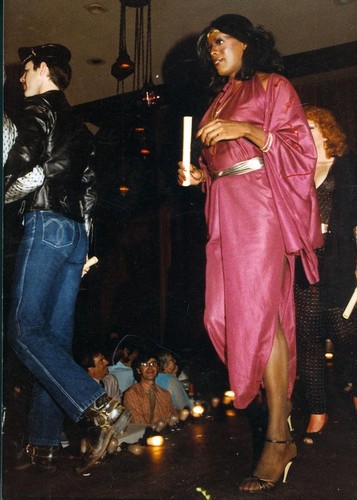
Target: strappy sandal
x,y
267,484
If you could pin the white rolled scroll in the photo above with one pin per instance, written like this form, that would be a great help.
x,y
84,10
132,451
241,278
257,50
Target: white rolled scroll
x,y
186,148
351,304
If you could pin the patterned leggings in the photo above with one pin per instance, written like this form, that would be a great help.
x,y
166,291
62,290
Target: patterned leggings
x,y
314,324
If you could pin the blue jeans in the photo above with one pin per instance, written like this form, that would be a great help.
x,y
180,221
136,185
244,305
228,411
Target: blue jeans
x,y
46,284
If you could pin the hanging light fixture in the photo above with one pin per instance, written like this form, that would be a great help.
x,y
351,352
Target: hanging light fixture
x,y
123,187
150,97
142,67
142,79
123,66
138,78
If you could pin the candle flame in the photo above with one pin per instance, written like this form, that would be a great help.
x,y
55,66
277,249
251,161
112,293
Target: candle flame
x,y
155,441
197,410
229,394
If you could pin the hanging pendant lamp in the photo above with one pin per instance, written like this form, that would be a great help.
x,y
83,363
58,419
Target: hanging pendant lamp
x,y
123,66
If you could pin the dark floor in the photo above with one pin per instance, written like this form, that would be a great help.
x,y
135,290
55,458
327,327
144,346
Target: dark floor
x,y
207,459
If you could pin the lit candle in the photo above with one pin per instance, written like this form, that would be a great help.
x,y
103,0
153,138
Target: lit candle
x,y
136,449
215,402
160,424
186,148
155,441
173,420
228,397
197,410
184,414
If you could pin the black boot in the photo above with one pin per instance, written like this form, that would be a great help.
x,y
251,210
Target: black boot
x,y
108,418
39,458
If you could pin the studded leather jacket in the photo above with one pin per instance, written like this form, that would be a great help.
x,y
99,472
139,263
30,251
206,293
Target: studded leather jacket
x,y
52,137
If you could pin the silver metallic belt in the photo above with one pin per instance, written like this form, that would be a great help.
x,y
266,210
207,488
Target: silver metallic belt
x,y
243,167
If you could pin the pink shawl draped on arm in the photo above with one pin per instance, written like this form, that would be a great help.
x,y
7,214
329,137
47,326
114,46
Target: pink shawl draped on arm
x,y
290,166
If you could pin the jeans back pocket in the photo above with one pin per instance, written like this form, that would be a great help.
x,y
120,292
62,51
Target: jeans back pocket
x,y
58,231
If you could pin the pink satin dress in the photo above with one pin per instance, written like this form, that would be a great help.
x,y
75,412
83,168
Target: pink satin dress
x,y
256,221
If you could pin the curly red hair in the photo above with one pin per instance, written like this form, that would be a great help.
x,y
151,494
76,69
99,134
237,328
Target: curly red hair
x,y
336,144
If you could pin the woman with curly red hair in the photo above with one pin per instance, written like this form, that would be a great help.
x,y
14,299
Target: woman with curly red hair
x,y
319,307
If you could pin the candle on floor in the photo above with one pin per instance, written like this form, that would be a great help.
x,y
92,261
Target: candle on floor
x,y
155,441
173,420
184,413
215,402
160,424
228,397
198,410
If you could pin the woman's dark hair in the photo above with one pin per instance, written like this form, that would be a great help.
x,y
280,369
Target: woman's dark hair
x,y
87,359
119,351
142,357
260,54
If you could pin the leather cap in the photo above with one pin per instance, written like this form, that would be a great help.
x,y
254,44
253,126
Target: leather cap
x,y
52,54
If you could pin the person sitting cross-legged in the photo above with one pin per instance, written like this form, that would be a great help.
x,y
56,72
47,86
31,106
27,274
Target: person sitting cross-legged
x,y
124,355
147,401
167,379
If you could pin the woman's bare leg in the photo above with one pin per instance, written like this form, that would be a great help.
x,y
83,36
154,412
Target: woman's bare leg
x,y
275,456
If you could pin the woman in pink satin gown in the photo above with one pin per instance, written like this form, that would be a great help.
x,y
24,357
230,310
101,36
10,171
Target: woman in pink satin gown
x,y
257,166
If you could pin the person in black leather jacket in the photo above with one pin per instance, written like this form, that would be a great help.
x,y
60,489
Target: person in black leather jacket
x,y
51,256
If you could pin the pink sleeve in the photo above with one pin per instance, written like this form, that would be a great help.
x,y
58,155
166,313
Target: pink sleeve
x,y
290,165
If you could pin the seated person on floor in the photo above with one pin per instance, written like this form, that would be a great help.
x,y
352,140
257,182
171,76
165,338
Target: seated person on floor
x,y
148,402
97,367
124,355
167,379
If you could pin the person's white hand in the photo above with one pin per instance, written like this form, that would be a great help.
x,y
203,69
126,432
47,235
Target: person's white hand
x,y
89,263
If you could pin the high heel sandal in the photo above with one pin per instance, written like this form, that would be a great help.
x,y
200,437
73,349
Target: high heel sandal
x,y
290,407
311,438
290,424
268,484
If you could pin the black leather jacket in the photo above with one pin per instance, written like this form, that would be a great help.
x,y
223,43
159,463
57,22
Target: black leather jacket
x,y
51,136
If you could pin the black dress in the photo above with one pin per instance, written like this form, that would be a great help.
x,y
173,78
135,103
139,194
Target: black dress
x,y
319,307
